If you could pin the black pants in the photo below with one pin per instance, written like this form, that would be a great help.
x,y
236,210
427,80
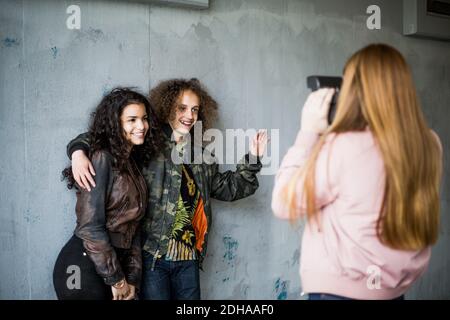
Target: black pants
x,y
74,275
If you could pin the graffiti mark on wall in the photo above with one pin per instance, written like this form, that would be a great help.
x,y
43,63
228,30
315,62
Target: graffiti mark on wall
x,y
54,52
10,42
231,246
281,289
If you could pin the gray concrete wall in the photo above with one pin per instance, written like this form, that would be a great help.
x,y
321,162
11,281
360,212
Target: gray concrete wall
x,y
253,55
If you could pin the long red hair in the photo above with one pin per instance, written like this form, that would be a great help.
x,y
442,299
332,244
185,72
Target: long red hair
x,y
378,92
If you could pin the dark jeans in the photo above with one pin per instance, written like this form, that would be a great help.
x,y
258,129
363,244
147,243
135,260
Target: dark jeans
x,y
170,280
327,296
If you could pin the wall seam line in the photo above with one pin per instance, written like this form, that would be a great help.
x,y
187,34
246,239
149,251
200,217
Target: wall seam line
x,y
27,218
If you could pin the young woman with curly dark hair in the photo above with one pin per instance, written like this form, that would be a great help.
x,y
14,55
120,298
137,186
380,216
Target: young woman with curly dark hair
x,y
103,260
178,219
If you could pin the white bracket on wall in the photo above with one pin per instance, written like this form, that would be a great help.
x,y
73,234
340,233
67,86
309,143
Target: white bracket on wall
x,y
194,4
427,18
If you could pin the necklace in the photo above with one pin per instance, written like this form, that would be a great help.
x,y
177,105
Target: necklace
x,y
190,182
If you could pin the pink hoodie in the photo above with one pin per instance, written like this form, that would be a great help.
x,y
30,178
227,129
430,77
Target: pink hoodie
x,y
345,257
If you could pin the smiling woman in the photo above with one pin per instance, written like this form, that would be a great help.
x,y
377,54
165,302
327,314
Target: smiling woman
x,y
105,249
134,120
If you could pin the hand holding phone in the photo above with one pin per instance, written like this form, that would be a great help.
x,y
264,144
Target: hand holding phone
x,y
317,82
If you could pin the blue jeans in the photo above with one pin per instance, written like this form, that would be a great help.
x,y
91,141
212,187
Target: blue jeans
x,y
169,280
327,296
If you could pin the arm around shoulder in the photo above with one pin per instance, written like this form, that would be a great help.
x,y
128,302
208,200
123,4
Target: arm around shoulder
x,y
81,142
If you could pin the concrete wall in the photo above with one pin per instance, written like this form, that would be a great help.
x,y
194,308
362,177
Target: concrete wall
x,y
253,55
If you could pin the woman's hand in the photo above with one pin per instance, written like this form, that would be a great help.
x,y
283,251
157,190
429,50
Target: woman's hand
x,y
121,290
315,111
82,170
132,292
259,143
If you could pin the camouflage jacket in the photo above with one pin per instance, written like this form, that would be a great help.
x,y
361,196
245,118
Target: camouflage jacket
x,y
163,177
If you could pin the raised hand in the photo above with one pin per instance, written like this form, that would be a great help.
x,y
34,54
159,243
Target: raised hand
x,y
259,143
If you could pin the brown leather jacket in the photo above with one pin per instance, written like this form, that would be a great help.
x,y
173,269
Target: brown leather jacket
x,y
108,220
